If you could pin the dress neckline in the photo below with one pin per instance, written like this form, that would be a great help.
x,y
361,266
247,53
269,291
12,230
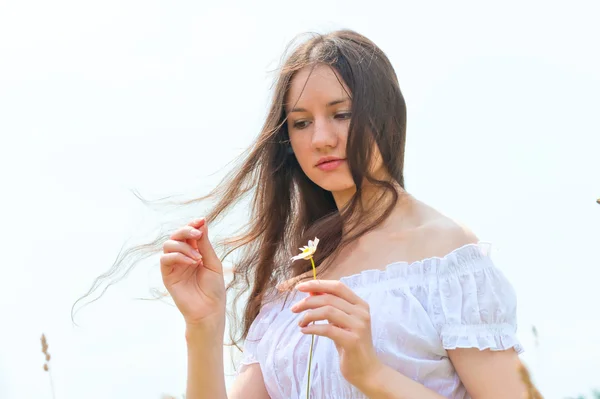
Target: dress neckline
x,y
425,266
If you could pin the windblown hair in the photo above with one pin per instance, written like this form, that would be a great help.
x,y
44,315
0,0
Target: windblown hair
x,y
287,208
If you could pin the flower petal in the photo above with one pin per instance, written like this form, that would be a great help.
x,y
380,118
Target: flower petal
x,y
307,251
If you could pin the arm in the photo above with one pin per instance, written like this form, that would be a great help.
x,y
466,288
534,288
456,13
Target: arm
x,y
206,375
249,384
485,374
193,274
488,374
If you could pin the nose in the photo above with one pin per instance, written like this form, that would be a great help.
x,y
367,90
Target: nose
x,y
324,134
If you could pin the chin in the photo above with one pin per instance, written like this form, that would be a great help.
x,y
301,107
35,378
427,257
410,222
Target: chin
x,y
337,186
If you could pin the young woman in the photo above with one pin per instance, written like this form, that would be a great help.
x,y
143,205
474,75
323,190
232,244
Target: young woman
x,y
410,304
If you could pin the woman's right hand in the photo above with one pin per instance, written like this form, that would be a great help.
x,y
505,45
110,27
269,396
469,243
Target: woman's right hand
x,y
193,275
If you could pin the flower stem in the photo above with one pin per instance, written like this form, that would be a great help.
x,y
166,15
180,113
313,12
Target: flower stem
x,y
312,341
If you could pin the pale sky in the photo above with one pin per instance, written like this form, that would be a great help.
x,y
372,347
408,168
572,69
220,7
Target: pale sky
x,y
99,98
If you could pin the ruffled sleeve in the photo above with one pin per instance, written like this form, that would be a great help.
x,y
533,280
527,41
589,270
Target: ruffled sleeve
x,y
473,305
256,332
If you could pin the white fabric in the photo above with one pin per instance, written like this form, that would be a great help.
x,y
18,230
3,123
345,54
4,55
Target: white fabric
x,y
418,311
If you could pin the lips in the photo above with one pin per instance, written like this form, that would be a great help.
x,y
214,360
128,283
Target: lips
x,y
331,164
328,159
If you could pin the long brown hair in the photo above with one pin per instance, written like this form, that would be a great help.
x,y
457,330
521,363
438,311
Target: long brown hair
x,y
287,208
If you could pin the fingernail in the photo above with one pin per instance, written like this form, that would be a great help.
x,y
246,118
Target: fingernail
x,y
196,233
196,255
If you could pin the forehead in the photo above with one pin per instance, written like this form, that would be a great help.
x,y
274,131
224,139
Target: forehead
x,y
319,84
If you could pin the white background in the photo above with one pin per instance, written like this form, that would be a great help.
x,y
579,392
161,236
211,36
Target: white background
x,y
100,98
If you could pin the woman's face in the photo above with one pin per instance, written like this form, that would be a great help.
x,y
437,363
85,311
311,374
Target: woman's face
x,y
318,119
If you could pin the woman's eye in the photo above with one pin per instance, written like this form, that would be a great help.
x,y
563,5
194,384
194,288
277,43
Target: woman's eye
x,y
344,115
300,124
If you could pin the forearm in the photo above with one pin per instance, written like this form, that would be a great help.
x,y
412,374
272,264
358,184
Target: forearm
x,y
387,383
206,375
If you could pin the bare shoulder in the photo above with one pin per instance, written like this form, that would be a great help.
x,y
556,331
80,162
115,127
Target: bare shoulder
x,y
440,235
449,232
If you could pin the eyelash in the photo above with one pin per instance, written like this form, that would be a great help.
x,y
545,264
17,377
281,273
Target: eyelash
x,y
344,115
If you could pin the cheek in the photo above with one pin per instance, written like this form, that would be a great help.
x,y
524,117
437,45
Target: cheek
x,y
301,148
342,129
300,143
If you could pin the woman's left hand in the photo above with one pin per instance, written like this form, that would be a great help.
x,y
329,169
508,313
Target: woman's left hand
x,y
349,326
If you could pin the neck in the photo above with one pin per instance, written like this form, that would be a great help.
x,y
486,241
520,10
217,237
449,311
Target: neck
x,y
374,200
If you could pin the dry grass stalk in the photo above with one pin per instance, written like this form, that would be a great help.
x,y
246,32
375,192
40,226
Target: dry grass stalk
x,y
47,362
531,392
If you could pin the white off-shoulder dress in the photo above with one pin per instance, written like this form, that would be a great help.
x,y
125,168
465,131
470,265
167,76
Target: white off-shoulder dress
x,y
418,311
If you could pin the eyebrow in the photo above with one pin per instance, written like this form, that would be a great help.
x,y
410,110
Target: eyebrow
x,y
329,104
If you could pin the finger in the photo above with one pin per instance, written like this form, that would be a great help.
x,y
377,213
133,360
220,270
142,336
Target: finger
x,y
170,260
186,233
338,335
334,287
209,256
314,302
332,315
196,223
178,246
